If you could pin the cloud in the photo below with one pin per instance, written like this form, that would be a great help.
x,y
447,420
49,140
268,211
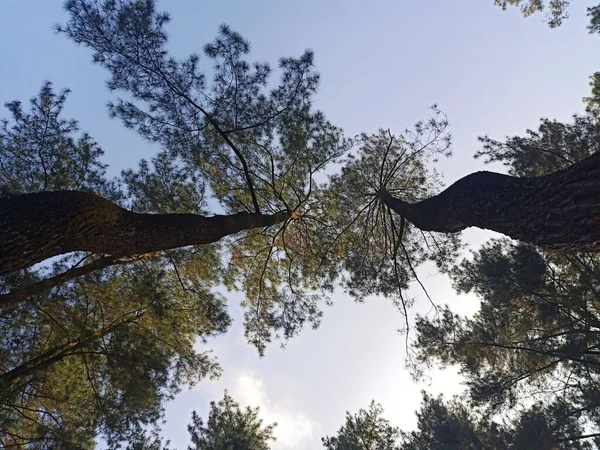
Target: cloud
x,y
250,390
292,427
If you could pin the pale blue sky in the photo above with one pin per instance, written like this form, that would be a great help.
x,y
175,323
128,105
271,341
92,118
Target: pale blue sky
x,y
383,63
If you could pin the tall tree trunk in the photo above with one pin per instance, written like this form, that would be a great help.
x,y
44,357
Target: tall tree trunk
x,y
558,210
34,227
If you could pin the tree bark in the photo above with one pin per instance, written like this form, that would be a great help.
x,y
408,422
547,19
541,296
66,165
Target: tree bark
x,y
34,227
558,210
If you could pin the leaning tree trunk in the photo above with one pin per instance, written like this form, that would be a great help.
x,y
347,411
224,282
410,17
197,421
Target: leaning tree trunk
x,y
34,227
558,210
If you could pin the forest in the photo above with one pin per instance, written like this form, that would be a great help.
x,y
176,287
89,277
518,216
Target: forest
x,y
113,287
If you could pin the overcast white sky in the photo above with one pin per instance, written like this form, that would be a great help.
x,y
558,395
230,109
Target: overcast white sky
x,y
383,63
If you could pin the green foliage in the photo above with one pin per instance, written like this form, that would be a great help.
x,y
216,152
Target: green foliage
x,y
551,426
532,346
453,426
365,430
593,13
535,335
252,144
98,355
241,140
164,186
456,425
230,428
556,10
554,146
40,150
377,251
211,127
592,103
101,354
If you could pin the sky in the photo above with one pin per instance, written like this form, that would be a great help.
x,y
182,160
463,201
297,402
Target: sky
x,y
383,64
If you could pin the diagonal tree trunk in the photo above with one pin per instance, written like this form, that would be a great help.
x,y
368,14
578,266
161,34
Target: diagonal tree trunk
x,y
34,227
558,210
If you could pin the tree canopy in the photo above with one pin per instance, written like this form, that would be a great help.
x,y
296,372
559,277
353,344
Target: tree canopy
x,y
534,337
228,427
555,11
535,334
255,151
95,345
365,430
107,285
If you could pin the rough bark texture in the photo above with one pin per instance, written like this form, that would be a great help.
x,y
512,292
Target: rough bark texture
x,y
34,227
559,210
